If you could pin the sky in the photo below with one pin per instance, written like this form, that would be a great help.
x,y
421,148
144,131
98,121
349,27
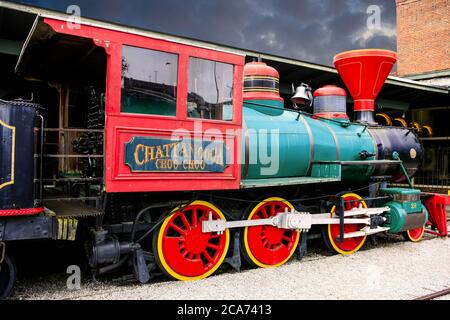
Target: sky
x,y
309,30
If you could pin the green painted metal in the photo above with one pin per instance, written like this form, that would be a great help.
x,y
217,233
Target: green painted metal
x,y
400,209
273,182
352,139
298,142
412,206
402,191
424,209
322,170
141,106
268,107
324,143
274,145
396,218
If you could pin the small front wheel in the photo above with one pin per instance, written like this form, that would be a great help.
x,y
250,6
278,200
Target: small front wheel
x,y
8,275
414,235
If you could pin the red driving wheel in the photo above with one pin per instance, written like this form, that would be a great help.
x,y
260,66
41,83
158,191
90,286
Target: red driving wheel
x,y
268,246
332,231
182,250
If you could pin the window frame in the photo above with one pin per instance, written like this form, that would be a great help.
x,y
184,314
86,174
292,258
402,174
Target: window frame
x,y
120,127
184,53
178,72
233,84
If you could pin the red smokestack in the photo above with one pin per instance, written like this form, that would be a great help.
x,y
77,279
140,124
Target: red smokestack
x,y
364,72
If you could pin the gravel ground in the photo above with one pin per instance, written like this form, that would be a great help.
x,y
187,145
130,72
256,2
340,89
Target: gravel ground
x,y
394,269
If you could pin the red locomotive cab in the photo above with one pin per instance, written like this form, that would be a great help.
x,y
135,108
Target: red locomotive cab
x,y
173,113
178,123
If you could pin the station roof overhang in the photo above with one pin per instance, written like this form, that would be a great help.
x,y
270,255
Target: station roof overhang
x,y
16,21
397,93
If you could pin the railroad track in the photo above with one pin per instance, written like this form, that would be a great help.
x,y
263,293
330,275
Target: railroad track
x,y
434,295
110,285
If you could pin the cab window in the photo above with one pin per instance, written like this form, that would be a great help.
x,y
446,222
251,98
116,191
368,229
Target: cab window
x,y
210,89
149,81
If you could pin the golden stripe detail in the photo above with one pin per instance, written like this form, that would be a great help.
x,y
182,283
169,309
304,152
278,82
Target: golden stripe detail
x,y
260,77
13,151
402,122
258,89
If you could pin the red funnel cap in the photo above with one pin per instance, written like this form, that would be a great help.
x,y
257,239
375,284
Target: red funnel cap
x,y
364,72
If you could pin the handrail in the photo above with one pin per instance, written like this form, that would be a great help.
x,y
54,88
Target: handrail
x,y
360,162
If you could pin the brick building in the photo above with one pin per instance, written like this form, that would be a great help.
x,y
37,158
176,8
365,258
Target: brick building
x,y
423,47
423,40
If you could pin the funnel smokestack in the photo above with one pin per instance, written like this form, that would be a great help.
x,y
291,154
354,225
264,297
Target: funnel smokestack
x,y
364,72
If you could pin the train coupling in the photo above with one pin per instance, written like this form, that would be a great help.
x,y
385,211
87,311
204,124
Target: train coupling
x,y
303,221
107,253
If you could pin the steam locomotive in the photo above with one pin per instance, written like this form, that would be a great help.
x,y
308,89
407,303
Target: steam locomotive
x,y
195,177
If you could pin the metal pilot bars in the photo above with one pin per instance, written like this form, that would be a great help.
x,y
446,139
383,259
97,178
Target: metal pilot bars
x,y
364,72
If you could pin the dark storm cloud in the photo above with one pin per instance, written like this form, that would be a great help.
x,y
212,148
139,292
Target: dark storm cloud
x,y
311,30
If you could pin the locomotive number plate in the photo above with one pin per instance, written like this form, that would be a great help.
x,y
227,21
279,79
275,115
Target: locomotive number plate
x,y
148,154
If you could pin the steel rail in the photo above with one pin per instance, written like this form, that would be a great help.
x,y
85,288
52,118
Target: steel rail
x,y
434,295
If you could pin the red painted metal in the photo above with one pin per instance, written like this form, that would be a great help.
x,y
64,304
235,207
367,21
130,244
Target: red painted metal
x,y
268,244
437,213
330,90
330,115
260,69
416,234
349,244
364,72
186,249
20,212
121,127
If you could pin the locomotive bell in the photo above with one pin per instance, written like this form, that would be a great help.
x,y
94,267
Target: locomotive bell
x,y
302,97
